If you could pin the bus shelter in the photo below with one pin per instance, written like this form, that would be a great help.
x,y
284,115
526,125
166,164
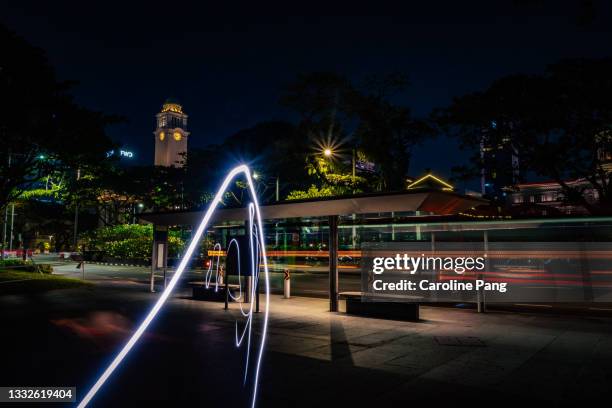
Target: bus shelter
x,y
322,227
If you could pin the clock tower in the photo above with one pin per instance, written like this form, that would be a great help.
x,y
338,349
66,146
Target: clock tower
x,y
171,135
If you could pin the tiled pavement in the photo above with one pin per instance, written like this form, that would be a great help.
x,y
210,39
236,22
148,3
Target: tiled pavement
x,y
506,357
312,357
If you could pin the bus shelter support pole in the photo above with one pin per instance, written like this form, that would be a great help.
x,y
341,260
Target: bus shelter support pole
x,y
482,305
333,263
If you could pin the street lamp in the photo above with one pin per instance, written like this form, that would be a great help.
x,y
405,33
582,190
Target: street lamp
x,y
327,152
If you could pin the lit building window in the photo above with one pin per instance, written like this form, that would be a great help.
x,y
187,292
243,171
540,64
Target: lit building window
x,y
177,136
162,136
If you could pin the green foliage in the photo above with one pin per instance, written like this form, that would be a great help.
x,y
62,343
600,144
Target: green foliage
x,y
312,192
345,180
130,241
23,266
44,268
11,262
123,232
137,248
334,177
53,192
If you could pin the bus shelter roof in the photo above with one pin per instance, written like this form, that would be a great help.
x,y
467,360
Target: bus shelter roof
x,y
428,201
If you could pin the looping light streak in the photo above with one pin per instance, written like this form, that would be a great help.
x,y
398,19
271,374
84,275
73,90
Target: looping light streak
x,y
258,252
217,251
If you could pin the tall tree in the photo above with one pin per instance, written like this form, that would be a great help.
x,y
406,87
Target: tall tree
x,y
41,128
386,132
356,120
560,123
275,151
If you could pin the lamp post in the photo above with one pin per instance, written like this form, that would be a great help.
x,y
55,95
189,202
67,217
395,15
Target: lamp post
x,y
6,216
76,213
4,231
12,224
277,188
329,152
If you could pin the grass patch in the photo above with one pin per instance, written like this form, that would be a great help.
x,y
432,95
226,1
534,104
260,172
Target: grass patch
x,y
15,282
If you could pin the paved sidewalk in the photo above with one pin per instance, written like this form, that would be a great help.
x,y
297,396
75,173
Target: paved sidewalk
x,y
452,353
312,357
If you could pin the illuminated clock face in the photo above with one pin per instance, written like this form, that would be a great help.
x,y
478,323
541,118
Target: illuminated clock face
x,y
177,136
162,136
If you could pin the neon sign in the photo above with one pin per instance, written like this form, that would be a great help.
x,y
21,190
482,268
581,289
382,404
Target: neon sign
x,y
122,153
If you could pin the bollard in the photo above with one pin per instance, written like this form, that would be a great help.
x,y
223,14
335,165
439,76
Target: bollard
x,y
81,266
249,288
287,285
152,282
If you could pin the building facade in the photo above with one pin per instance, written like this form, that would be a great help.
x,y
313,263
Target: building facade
x,y
171,135
547,198
499,164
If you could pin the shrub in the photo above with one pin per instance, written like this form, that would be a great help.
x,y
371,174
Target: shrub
x,y
44,268
4,263
21,266
130,241
312,192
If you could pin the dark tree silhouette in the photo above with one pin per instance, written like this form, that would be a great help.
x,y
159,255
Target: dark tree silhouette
x,y
41,128
560,123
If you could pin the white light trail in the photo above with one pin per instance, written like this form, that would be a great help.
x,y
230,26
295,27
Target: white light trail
x,y
258,229
217,256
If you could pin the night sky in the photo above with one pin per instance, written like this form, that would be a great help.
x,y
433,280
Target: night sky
x,y
228,65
